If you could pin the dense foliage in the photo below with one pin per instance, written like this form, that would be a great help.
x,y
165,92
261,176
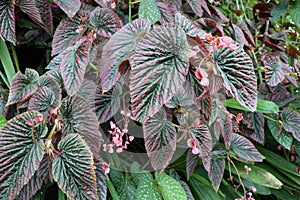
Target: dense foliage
x,y
151,99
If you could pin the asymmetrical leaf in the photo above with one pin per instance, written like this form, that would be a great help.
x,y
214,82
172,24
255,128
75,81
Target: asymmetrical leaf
x,y
191,163
69,7
244,149
169,187
160,140
105,21
7,20
186,24
227,131
74,170
274,72
238,74
166,13
44,7
101,177
73,65
47,81
22,86
117,49
279,10
68,32
87,90
198,6
29,7
20,154
149,10
217,169
158,69
107,104
146,187
291,122
78,118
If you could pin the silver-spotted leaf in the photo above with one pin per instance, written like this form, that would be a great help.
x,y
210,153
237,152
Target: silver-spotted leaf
x,y
147,188
186,24
78,118
20,153
7,20
22,86
291,122
105,21
244,149
238,74
74,63
74,169
117,50
149,10
273,66
160,140
158,69
69,31
107,104
69,7
169,187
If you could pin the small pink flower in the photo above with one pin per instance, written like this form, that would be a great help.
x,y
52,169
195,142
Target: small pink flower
x,y
105,166
209,37
131,138
195,150
217,3
119,150
242,198
108,147
252,188
248,169
79,30
113,5
202,76
112,125
117,140
239,117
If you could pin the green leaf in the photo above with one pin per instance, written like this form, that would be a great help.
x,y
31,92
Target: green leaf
x,y
160,140
146,188
294,11
244,149
202,191
158,69
124,185
279,10
7,21
78,118
6,61
263,106
238,74
74,169
20,153
149,10
291,122
2,121
22,86
69,7
169,187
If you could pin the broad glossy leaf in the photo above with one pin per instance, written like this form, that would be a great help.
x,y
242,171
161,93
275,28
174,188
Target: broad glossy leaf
x,y
262,106
43,100
238,74
69,7
68,32
217,169
101,177
169,187
7,20
186,24
257,123
291,122
281,136
117,50
160,140
107,104
147,188
149,10
74,63
244,149
20,154
2,121
74,169
105,21
191,163
273,66
78,118
187,190
22,86
206,192
158,69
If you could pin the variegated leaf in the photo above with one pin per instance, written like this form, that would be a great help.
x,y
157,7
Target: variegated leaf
x,y
291,122
69,7
186,24
101,177
217,168
274,71
7,20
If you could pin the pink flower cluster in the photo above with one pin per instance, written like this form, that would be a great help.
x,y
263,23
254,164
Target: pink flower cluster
x,y
118,136
220,42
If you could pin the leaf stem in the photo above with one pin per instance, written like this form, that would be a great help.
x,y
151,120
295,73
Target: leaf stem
x,y
94,67
15,57
112,189
53,130
239,177
129,11
271,119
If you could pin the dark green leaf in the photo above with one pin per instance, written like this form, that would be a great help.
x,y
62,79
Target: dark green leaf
x,y
7,20
169,187
2,121
294,11
238,74
69,7
202,191
149,10
291,122
279,10
244,149
160,140
20,153
117,50
147,188
78,118
22,86
158,69
105,21
74,170
263,106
